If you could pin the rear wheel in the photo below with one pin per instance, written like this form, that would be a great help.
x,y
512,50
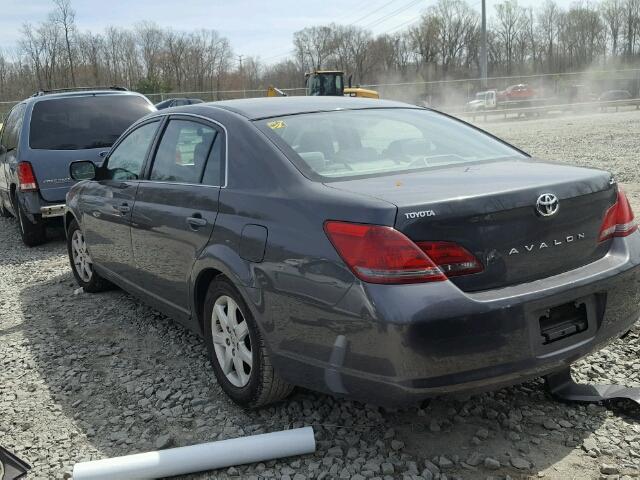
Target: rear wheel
x,y
32,233
237,350
81,262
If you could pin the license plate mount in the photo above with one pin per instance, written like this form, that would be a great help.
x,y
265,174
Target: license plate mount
x,y
563,321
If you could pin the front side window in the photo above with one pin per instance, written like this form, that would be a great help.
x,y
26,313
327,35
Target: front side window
x,y
183,152
78,123
374,142
127,159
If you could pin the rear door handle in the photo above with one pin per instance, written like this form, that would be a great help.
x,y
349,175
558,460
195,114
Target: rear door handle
x,y
196,221
124,208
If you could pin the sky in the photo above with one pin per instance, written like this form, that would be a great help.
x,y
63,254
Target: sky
x,y
254,27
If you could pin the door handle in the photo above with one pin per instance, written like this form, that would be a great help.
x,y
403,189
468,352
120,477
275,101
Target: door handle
x,y
124,208
196,221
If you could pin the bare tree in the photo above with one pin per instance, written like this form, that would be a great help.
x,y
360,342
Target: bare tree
x,y
64,16
509,24
352,50
613,14
424,41
444,43
314,46
632,25
456,19
176,45
150,38
548,20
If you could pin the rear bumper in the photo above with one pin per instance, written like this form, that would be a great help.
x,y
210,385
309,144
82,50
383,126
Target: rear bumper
x,y
33,205
395,345
49,211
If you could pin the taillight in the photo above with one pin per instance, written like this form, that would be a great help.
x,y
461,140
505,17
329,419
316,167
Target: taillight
x,y
452,258
618,221
379,254
26,178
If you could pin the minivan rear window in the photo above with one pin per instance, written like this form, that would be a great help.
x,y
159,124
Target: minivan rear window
x,y
85,122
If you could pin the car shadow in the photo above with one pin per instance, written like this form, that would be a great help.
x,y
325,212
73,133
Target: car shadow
x,y
128,379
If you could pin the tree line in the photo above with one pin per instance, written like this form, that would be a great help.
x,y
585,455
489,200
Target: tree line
x,y
443,43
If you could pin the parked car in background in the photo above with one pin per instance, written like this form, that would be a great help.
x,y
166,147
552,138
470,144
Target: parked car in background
x,y
613,95
177,102
43,134
364,248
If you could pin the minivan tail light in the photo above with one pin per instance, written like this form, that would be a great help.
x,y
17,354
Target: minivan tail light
x,y
451,258
379,254
619,220
26,177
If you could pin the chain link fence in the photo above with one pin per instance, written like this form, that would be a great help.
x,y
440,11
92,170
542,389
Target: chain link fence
x,y
214,96
453,96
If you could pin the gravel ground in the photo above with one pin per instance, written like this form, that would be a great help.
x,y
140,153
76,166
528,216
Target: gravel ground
x,y
89,376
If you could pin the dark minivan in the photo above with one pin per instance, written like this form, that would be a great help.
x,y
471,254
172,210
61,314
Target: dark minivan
x,y
43,134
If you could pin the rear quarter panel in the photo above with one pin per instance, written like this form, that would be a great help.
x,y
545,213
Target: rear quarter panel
x,y
300,266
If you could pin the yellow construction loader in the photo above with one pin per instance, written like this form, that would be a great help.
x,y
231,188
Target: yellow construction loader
x,y
328,83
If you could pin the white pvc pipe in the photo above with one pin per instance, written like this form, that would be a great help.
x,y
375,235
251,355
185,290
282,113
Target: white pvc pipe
x,y
196,458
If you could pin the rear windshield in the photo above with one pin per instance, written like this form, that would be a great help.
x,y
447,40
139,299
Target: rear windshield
x,y
374,142
84,122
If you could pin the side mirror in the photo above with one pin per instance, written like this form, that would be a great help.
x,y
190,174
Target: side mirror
x,y
82,170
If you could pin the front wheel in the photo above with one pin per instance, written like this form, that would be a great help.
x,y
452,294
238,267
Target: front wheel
x,y
81,262
237,351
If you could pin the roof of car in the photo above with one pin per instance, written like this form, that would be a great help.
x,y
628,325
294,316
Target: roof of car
x,y
257,108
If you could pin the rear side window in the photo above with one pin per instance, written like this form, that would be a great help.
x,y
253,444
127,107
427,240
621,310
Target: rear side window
x,y
77,123
183,152
12,128
213,171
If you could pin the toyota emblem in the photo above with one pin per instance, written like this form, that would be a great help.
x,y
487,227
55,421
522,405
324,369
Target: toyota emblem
x,y
547,204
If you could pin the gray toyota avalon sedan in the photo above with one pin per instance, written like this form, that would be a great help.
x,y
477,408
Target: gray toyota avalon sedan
x,y
363,248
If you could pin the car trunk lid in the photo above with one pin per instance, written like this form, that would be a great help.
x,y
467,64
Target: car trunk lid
x,y
490,209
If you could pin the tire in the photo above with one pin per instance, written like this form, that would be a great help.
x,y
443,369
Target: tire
x,y
32,234
81,263
258,384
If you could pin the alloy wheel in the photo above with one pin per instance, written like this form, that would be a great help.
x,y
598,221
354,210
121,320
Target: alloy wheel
x,y
231,341
81,258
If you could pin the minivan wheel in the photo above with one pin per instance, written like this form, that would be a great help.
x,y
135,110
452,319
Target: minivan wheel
x,y
81,262
32,234
237,350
